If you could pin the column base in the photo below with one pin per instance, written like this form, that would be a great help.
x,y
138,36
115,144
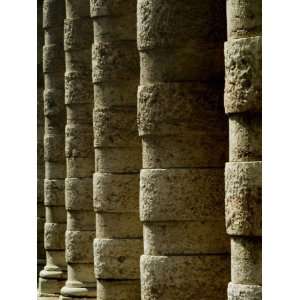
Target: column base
x,y
244,292
75,290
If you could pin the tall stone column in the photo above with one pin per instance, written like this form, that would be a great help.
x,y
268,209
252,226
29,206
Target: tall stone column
x,y
118,244
41,255
78,35
243,171
184,134
53,275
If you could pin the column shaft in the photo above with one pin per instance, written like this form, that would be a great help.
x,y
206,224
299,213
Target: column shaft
x,y
118,243
184,136
41,255
243,171
78,34
54,274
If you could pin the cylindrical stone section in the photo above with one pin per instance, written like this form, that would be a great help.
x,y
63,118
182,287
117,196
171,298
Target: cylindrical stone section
x,y
53,276
78,36
243,105
184,135
118,152
41,256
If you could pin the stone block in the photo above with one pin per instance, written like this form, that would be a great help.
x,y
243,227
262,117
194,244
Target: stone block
x,y
55,170
243,80
54,147
77,9
244,18
180,108
54,236
81,220
244,292
79,246
186,151
80,167
79,194
117,259
117,60
196,237
118,225
56,214
52,13
117,193
184,277
246,260
80,113
181,194
245,137
54,192
243,198
78,88
53,59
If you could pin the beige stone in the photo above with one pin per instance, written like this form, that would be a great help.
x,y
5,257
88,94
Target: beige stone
x,y
243,65
244,18
117,258
243,198
184,277
246,265
245,137
244,292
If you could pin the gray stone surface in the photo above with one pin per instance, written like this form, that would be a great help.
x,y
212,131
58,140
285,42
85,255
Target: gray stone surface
x,y
78,35
118,151
54,273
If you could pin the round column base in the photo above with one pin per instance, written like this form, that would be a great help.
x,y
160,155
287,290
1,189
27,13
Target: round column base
x,y
74,291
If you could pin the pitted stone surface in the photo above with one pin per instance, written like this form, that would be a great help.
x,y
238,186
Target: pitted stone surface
x,y
173,23
76,220
246,265
179,108
184,277
52,15
79,246
196,237
118,160
244,18
185,151
54,147
243,65
243,198
181,194
119,289
79,194
117,60
53,59
244,292
115,127
54,236
116,192
245,137
117,259
118,225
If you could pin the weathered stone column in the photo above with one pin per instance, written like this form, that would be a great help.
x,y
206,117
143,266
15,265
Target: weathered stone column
x,y
40,141
243,172
81,283
118,244
184,134
54,274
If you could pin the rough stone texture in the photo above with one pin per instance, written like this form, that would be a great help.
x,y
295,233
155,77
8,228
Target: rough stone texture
x,y
118,151
177,277
41,256
242,101
78,34
244,292
184,135
54,273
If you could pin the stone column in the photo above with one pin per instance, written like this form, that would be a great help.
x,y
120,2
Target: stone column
x,y
54,274
184,135
243,171
40,142
118,152
81,283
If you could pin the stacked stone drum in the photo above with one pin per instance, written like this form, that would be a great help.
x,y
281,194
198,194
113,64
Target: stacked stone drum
x,y
183,128
118,243
78,35
53,275
243,171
